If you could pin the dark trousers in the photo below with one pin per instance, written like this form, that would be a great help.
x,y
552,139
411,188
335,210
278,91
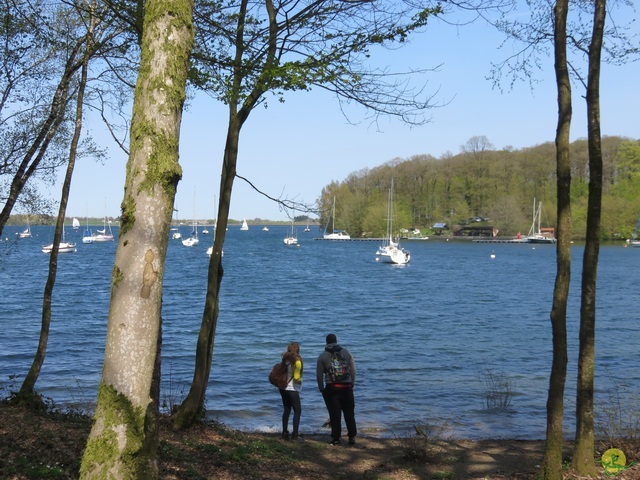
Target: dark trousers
x,y
290,400
340,401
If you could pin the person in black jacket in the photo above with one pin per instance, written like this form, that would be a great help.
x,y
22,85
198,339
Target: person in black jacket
x,y
336,376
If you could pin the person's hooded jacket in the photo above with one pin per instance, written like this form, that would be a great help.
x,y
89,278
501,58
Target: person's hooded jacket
x,y
324,362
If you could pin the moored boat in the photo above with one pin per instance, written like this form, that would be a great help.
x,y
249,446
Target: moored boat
x,y
536,233
106,234
64,246
334,234
390,251
193,240
292,238
633,241
26,233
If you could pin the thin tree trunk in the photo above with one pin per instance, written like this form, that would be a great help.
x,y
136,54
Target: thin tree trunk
x,y
193,404
583,457
123,442
28,386
551,467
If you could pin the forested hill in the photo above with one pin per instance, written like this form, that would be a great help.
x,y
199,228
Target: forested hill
x,y
483,183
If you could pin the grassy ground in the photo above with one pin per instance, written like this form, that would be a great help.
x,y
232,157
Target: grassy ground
x,y
50,445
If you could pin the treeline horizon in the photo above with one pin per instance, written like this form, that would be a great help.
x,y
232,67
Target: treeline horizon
x,y
481,182
50,220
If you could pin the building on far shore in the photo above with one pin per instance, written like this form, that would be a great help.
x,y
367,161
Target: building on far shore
x,y
468,231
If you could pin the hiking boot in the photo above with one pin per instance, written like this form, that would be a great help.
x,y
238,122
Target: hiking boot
x,y
296,437
352,440
335,441
285,435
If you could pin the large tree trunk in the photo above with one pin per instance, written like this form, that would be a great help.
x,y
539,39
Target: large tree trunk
x,y
583,456
551,467
28,386
124,437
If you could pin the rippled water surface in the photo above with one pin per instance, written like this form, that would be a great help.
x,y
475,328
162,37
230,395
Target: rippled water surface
x,y
426,337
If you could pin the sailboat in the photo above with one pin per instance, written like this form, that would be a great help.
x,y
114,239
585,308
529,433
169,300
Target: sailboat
x,y
26,233
244,226
106,234
193,240
292,238
64,247
634,242
175,231
390,251
537,234
334,234
87,236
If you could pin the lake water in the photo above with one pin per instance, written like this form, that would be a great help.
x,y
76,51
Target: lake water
x,y
426,337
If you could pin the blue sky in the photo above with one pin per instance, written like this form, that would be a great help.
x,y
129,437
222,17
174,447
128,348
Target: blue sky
x,y
295,148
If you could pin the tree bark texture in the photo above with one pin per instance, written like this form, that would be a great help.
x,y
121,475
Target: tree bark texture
x,y
124,437
583,456
551,467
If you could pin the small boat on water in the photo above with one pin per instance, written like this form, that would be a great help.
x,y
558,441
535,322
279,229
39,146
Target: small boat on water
x,y
292,238
87,236
537,234
26,233
633,241
193,240
390,251
106,234
334,234
175,231
245,225
64,247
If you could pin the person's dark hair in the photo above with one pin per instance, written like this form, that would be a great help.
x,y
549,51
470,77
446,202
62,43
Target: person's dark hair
x,y
331,338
